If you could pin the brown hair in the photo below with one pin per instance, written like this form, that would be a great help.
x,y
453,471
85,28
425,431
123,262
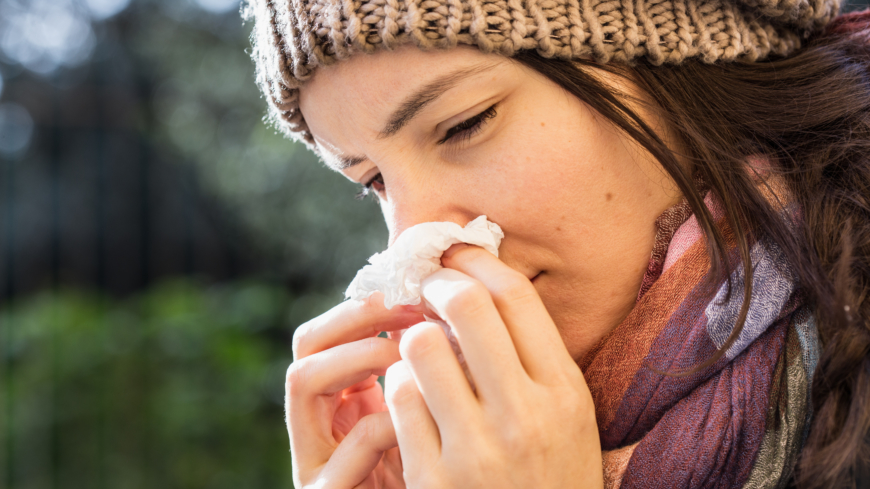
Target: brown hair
x,y
809,114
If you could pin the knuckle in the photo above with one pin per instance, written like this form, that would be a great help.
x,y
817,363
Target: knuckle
x,y
427,476
366,431
402,392
361,434
421,341
298,375
517,437
569,399
301,339
473,470
469,298
373,344
515,288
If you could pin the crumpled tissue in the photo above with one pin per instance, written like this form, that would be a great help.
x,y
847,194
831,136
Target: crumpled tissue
x,y
416,254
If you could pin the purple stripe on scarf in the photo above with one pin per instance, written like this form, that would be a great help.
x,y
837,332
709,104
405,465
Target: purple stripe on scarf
x,y
683,343
711,437
704,429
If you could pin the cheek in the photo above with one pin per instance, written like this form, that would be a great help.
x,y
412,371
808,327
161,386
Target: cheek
x,y
576,204
558,172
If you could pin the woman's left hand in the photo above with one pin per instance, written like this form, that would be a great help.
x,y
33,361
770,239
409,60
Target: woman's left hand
x,y
531,423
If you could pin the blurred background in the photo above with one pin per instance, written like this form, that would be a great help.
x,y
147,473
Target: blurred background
x,y
158,245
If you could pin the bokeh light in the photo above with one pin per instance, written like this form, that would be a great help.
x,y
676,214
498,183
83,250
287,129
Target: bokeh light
x,y
43,35
103,9
219,6
16,128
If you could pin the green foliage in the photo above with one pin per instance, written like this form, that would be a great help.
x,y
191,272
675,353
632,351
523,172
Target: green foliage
x,y
206,107
178,387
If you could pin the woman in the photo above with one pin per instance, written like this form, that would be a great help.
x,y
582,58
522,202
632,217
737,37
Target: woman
x,y
643,160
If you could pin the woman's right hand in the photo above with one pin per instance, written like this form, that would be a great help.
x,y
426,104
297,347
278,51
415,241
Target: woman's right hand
x,y
341,435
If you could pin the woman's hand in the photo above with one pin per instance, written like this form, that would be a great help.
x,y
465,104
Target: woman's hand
x,y
341,435
531,422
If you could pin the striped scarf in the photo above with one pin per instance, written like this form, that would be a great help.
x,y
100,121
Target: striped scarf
x,y
740,422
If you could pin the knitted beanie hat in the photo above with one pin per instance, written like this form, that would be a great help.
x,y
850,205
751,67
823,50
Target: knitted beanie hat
x,y
291,38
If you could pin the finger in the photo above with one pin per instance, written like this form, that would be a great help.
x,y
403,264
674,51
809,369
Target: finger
x,y
341,366
351,321
535,336
439,377
353,406
488,349
416,431
360,451
310,408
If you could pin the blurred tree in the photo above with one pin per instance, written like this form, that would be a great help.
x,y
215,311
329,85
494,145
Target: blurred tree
x,y
132,148
142,153
210,110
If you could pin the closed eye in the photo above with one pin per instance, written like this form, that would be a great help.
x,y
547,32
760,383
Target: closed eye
x,y
458,133
469,127
374,186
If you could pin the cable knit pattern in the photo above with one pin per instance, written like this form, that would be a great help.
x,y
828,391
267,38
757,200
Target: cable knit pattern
x,y
291,38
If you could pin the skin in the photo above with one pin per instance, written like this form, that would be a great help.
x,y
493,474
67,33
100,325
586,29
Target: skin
x,y
577,201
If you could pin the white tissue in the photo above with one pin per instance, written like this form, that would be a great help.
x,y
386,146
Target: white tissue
x,y
416,254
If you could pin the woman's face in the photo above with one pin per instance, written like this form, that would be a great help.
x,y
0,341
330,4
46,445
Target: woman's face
x,y
451,135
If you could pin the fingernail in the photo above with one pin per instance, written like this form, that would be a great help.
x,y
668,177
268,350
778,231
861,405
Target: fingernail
x,y
413,309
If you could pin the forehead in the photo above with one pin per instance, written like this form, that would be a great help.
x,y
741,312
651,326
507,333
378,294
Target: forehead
x,y
354,98
384,74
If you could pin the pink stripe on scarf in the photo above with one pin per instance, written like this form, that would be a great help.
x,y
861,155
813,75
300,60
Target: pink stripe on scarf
x,y
690,232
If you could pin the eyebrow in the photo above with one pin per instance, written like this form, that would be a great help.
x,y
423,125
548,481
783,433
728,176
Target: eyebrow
x,y
345,162
413,104
424,96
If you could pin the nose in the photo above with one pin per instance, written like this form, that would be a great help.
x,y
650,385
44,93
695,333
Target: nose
x,y
414,206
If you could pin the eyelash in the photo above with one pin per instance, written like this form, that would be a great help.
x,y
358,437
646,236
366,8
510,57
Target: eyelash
x,y
458,133
469,127
366,189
